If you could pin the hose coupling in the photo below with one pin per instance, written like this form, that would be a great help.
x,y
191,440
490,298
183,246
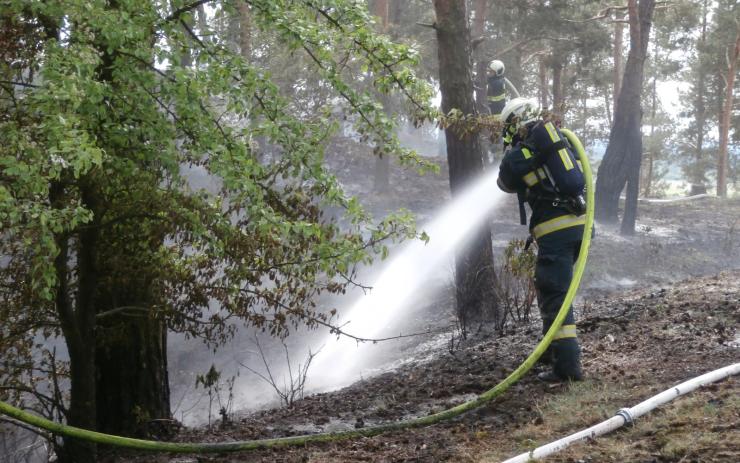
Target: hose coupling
x,y
627,416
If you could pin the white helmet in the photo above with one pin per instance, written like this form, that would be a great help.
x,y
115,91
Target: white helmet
x,y
520,111
497,67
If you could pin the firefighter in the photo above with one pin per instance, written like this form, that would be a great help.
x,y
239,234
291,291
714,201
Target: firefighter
x,y
556,223
496,87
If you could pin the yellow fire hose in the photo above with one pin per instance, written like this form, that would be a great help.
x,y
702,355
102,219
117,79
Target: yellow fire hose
x,y
486,397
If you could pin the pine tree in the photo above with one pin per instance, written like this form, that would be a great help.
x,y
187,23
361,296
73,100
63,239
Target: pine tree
x,y
474,276
621,163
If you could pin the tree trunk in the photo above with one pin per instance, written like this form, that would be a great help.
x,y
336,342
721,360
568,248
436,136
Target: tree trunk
x,y
648,179
733,51
542,75
584,119
474,276
617,55
82,401
245,31
633,191
481,71
133,386
382,177
621,163
78,326
607,107
382,10
481,64
382,174
186,54
697,175
131,339
203,28
396,11
557,84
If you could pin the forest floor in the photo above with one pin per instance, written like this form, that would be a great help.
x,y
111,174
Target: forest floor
x,y
656,309
636,343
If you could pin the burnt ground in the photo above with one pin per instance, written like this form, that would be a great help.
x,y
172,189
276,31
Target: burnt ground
x,y
656,309
636,344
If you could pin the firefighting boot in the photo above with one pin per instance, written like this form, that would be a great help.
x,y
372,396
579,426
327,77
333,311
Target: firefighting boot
x,y
566,364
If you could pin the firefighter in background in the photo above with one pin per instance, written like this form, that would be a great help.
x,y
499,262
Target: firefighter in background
x,y
544,171
496,94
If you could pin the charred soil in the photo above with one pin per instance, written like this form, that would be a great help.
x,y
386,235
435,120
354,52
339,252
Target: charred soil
x,y
636,344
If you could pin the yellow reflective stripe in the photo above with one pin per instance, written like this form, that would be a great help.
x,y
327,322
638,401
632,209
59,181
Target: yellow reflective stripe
x,y
553,133
547,174
530,179
541,173
566,331
527,154
496,97
558,223
566,159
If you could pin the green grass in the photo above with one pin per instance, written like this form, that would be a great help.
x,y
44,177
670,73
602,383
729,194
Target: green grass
x,y
702,426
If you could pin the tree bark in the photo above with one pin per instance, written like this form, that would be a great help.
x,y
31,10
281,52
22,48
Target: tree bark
x,y
733,51
474,276
617,55
542,75
481,70
245,31
131,339
648,178
133,385
382,10
481,64
382,177
557,84
78,327
697,175
621,163
396,11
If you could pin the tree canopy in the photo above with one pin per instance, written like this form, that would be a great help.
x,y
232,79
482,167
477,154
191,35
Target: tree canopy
x,y
108,108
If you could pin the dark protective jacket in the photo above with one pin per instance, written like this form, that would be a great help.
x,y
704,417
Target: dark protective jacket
x,y
496,94
521,173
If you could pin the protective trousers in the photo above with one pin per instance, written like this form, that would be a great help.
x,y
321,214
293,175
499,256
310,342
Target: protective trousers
x,y
557,252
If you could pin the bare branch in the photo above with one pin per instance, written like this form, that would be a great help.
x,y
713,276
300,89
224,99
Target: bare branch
x,y
333,329
606,12
603,14
122,218
20,424
185,9
293,387
19,84
43,398
521,43
477,41
370,52
142,311
534,55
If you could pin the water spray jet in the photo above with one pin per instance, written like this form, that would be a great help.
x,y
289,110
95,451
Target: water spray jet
x,y
341,359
